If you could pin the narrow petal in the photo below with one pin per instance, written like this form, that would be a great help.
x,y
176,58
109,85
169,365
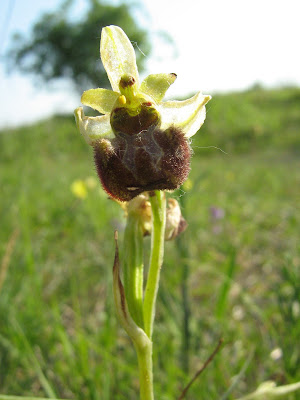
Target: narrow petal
x,y
188,115
156,85
118,56
101,100
93,128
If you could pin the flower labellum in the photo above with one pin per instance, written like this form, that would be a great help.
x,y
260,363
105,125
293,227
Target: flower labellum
x,y
140,143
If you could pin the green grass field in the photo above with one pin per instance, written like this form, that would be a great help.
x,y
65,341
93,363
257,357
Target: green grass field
x,y
235,273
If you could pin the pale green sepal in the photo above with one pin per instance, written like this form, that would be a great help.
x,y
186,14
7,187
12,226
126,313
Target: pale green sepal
x,y
118,56
268,390
93,128
156,85
101,100
188,115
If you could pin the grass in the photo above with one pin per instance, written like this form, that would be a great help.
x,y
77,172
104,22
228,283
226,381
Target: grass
x,y
233,275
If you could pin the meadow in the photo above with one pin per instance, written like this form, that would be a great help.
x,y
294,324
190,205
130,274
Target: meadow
x,y
234,274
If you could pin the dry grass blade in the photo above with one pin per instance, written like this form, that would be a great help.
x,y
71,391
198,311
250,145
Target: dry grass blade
x,y
199,372
7,256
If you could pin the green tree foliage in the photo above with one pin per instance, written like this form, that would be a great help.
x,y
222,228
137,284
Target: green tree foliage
x,y
63,47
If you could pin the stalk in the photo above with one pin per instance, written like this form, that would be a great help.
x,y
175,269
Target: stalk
x,y
158,205
135,315
144,355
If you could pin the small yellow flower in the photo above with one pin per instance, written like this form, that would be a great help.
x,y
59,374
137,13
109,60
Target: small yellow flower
x,y
90,182
188,185
78,188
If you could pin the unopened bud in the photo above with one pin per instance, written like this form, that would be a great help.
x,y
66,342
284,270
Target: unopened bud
x,y
175,223
140,206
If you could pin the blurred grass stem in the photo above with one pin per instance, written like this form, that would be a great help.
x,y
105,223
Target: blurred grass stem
x,y
185,273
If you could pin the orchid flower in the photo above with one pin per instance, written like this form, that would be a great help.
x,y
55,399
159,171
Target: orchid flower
x,y
141,148
140,142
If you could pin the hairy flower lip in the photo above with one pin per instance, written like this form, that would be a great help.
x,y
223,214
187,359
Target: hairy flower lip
x,y
152,160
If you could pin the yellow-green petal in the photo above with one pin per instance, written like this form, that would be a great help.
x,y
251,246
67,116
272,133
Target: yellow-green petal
x,y
118,56
156,85
101,100
93,128
268,390
188,115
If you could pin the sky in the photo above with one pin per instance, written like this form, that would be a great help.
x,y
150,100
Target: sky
x,y
219,46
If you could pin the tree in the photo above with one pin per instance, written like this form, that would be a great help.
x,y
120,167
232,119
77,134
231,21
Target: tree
x,y
60,47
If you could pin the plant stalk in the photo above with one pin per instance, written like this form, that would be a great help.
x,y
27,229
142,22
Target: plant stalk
x,y
138,318
144,355
158,205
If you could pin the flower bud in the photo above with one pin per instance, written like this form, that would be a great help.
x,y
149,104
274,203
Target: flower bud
x,y
140,207
175,223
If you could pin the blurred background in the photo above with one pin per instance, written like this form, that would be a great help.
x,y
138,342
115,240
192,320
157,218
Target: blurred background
x,y
235,272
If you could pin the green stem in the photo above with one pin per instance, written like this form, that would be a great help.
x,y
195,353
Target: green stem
x,y
134,311
145,369
158,204
134,267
